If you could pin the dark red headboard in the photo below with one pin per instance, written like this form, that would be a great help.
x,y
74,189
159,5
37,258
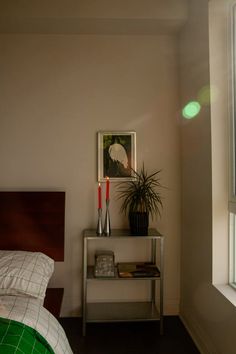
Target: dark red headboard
x,y
33,221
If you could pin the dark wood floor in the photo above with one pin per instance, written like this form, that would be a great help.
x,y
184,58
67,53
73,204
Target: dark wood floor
x,y
129,338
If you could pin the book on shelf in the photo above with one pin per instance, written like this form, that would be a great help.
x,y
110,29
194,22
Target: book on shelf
x,y
137,270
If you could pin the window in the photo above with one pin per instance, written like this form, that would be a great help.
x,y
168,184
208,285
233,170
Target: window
x,y
232,160
223,201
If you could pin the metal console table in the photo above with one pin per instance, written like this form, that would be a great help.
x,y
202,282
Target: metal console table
x,y
123,311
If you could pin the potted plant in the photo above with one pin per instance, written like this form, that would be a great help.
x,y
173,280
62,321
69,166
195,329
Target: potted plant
x,y
141,198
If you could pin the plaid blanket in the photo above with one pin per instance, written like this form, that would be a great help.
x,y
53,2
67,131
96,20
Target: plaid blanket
x,y
30,312
16,337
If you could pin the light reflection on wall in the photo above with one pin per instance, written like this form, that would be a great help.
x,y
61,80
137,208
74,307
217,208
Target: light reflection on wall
x,y
191,109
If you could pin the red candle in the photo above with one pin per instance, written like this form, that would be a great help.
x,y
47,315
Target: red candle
x,y
107,188
99,196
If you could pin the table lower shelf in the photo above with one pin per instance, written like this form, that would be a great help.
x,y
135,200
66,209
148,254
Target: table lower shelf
x,y
121,312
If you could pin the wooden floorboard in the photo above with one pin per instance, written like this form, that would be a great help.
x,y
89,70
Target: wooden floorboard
x,y
129,338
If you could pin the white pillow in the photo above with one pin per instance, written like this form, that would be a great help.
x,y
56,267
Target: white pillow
x,y
25,273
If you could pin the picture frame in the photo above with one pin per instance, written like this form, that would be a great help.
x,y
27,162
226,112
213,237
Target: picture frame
x,y
116,155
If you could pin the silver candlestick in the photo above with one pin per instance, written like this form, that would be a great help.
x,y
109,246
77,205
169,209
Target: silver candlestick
x,y
107,224
99,224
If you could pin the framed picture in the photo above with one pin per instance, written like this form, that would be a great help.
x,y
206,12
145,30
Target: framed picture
x,y
116,155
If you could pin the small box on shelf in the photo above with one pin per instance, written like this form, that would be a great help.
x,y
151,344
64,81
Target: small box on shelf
x,y
104,264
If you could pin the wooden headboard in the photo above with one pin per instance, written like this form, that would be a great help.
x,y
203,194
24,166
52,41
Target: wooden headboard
x,y
33,221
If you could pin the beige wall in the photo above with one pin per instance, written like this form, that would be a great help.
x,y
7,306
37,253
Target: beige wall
x,y
209,316
56,93
93,9
92,17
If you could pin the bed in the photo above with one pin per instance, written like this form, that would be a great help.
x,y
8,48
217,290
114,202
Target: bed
x,y
31,240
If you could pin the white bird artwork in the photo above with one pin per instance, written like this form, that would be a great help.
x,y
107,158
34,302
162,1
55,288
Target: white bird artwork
x,y
117,153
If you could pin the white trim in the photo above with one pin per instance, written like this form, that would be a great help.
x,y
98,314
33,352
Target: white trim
x,y
232,146
228,292
232,113
232,230
201,340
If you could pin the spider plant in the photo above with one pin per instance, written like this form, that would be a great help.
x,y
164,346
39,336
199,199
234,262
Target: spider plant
x,y
141,195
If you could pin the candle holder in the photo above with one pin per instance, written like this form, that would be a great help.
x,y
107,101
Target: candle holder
x,y
99,224
107,224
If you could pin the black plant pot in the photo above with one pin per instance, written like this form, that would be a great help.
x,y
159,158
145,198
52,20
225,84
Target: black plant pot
x,y
138,223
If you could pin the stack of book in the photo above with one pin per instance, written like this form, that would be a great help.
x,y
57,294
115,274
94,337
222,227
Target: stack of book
x,y
137,270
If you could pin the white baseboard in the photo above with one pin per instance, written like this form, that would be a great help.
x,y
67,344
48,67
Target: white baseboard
x,y
202,341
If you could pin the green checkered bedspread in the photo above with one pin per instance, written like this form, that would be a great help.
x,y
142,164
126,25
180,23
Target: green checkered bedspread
x,y
16,337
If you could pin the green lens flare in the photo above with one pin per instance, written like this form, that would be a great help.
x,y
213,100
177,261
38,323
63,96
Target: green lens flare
x,y
191,109
204,96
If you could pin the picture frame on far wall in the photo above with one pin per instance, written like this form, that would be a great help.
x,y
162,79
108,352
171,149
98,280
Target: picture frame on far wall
x,y
116,155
